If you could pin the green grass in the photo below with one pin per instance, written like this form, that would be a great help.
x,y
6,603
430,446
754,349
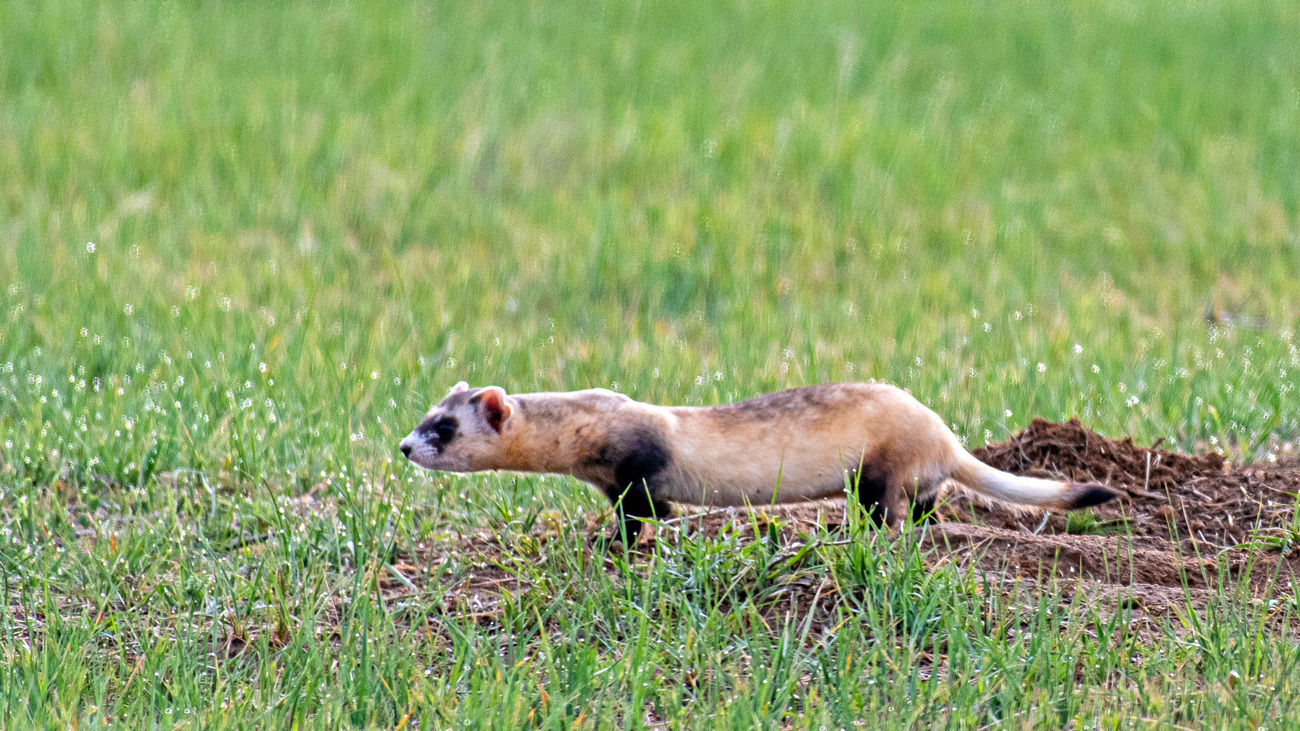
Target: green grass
x,y
243,246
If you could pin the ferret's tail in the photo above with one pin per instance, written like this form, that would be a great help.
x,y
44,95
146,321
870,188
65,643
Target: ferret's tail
x,y
1006,487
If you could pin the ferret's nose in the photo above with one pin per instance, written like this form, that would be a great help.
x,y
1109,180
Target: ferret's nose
x,y
406,450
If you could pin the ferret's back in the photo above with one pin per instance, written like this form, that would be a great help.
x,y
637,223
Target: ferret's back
x,y
807,437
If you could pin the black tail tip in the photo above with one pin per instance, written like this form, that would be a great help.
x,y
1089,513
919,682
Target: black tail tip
x,y
1086,495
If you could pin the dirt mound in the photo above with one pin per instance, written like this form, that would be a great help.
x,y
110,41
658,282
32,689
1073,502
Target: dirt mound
x,y
1073,451
1185,499
1184,524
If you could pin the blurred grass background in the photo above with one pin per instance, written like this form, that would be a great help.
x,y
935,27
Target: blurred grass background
x,y
737,198
258,240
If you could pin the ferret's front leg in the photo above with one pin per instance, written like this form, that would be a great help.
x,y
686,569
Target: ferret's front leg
x,y
632,505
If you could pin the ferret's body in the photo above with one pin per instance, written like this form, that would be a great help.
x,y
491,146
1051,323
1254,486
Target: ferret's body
x,y
792,446
799,445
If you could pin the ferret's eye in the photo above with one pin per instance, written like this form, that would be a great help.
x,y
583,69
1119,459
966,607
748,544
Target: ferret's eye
x,y
445,429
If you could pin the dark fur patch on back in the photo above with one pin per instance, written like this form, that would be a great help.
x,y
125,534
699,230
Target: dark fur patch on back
x,y
1088,495
781,403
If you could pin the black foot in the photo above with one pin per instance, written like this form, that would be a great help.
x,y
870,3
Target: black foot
x,y
923,511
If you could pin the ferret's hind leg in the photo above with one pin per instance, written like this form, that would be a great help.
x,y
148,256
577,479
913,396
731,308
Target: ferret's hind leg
x,y
877,495
923,507
924,499
885,499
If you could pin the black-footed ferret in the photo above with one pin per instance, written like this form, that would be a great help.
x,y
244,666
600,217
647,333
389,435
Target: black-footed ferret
x,y
796,445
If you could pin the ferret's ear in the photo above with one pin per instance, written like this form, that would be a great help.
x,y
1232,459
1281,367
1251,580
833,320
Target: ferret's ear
x,y
458,388
492,403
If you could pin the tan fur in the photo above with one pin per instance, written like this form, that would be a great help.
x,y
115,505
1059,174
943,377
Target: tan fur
x,y
791,446
731,456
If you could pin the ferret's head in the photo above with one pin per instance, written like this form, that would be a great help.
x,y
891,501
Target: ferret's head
x,y
462,433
